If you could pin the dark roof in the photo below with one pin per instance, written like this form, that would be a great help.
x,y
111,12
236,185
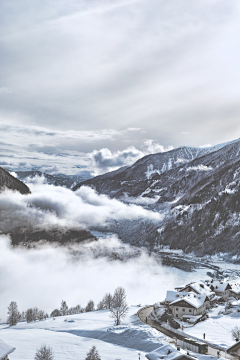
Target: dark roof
x,y
234,347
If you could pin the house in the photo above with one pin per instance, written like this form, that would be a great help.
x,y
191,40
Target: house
x,y
199,288
189,305
235,291
174,295
5,350
221,288
234,350
167,352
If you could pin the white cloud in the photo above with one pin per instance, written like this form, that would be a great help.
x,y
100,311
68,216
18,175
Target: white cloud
x,y
45,276
104,160
48,206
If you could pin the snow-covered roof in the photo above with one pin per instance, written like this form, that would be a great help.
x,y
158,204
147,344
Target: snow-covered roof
x,y
199,287
5,349
234,347
192,299
166,352
219,285
174,295
236,288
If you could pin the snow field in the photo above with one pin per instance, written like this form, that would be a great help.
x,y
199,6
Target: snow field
x,y
72,336
217,327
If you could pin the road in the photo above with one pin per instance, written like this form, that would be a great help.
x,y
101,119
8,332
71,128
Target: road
x,y
143,315
145,312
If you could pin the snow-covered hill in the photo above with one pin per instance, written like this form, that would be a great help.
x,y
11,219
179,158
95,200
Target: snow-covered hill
x,y
72,336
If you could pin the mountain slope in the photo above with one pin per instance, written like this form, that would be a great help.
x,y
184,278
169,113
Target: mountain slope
x,y
199,197
10,182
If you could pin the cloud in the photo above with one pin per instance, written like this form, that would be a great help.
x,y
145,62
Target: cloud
x,y
49,206
90,65
45,276
104,160
5,90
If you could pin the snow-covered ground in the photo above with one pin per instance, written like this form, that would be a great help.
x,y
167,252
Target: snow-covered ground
x,y
72,336
217,327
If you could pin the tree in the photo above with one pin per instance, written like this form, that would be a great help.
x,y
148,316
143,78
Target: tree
x,y
55,313
90,306
101,305
108,301
13,314
44,353
236,333
120,307
93,354
29,315
64,308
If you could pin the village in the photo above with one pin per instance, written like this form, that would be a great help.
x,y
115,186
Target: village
x,y
183,310
189,305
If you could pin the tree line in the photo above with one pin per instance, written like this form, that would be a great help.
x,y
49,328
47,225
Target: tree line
x,y
115,303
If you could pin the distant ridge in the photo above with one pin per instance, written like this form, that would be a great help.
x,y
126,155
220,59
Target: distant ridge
x,y
10,182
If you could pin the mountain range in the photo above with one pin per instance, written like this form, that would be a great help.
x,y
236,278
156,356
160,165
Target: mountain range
x,y
197,190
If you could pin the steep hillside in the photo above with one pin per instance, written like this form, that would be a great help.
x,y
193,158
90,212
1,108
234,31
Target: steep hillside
x,y
199,197
10,182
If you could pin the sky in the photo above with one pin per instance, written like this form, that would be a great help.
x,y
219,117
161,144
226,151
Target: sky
x,y
96,85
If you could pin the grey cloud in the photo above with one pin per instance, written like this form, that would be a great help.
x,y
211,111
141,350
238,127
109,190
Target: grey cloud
x,y
160,66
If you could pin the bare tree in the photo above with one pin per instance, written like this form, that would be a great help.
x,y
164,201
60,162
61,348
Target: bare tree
x,y
119,308
90,306
44,353
64,308
101,305
93,354
236,333
13,314
108,301
29,315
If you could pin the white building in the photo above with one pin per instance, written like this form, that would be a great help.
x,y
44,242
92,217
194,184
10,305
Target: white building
x,y
199,288
221,288
189,305
5,350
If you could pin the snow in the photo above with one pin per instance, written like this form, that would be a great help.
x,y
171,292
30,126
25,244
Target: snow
x,y
166,352
217,327
201,288
192,299
73,338
5,349
174,295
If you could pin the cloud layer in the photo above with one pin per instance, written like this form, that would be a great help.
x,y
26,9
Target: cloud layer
x,y
46,276
162,67
49,206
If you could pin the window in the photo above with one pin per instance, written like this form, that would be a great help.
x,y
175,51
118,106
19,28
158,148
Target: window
x,y
176,309
183,309
190,310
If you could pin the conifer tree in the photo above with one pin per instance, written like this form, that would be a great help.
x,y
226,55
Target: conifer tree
x,y
44,353
13,314
93,354
64,308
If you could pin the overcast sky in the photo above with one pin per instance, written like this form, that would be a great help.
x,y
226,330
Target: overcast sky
x,y
85,82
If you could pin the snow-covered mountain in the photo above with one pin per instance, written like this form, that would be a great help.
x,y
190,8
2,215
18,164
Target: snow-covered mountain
x,y
197,189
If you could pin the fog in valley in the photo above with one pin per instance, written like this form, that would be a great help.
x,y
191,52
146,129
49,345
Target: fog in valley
x,y
46,275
